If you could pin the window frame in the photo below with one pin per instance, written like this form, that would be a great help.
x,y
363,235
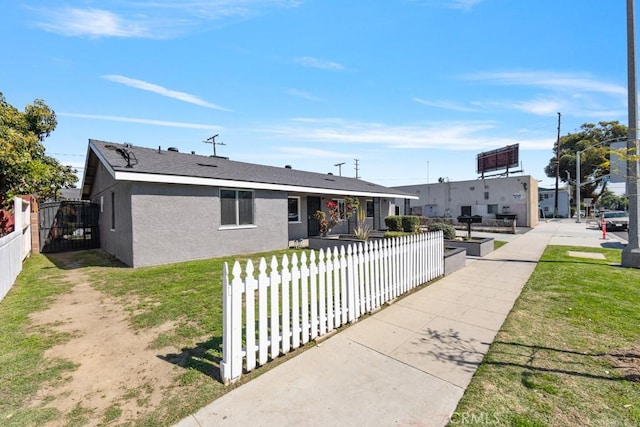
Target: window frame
x,y
298,213
367,203
342,208
113,211
237,208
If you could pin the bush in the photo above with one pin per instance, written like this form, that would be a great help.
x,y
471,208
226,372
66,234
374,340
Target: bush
x,y
448,230
410,223
393,223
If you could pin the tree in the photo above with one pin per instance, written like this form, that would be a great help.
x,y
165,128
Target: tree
x,y
24,166
594,161
610,200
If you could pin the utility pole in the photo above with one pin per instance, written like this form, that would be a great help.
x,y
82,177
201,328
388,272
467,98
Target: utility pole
x,y
631,253
357,168
339,165
555,206
427,171
213,142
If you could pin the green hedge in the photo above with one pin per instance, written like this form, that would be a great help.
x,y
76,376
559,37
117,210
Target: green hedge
x,y
393,223
410,223
448,230
406,223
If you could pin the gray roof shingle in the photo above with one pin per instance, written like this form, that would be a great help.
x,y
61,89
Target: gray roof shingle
x,y
170,163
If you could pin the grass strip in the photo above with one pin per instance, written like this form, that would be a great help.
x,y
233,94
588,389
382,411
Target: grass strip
x,y
568,353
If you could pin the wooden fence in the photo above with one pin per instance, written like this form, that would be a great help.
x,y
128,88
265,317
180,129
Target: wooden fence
x,y
15,246
283,306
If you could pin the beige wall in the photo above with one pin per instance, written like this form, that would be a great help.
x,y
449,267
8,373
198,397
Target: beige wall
x,y
516,195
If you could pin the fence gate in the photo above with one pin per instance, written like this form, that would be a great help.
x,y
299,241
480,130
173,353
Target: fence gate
x,y
68,226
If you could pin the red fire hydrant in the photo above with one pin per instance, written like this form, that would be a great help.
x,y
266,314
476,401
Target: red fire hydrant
x,y
604,230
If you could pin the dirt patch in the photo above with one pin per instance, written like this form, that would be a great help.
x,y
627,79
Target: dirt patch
x,y
627,362
116,369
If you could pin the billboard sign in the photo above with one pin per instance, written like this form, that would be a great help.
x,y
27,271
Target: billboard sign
x,y
502,158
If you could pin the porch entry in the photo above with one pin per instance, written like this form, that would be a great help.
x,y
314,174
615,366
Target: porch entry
x,y
313,225
68,226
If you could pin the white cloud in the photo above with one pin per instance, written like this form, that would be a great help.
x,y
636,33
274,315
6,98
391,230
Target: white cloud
x,y
297,152
140,121
539,106
160,90
150,19
465,5
468,135
302,94
446,105
558,81
309,61
91,23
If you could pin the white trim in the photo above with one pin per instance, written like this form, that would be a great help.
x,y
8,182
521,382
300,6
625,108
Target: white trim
x,y
236,227
212,182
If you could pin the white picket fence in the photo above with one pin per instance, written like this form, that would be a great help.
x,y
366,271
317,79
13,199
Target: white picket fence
x,y
15,246
288,304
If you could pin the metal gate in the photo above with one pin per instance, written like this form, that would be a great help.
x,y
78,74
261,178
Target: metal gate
x,y
68,226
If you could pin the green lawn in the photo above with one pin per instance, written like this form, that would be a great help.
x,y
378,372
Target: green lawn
x,y
569,352
187,295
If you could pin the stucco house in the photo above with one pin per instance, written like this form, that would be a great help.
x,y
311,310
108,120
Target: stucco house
x,y
489,197
547,202
160,206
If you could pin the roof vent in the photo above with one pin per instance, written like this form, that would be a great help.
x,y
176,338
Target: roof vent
x,y
330,173
173,149
287,166
193,152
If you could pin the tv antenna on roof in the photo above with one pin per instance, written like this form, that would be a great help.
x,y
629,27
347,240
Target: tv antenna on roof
x,y
213,142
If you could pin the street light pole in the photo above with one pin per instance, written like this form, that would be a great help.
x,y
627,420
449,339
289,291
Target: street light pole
x,y
578,186
631,253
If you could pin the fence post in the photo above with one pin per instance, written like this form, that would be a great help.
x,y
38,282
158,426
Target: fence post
x,y
231,364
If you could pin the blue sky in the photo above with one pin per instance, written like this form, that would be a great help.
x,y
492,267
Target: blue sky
x,y
413,89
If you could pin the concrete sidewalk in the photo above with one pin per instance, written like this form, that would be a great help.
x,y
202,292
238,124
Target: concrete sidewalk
x,y
407,364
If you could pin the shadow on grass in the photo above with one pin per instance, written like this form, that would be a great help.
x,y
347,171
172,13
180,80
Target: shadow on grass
x,y
82,259
536,351
203,357
450,348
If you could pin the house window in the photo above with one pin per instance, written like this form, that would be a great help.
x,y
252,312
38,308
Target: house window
x,y
492,209
113,210
486,195
236,207
341,208
369,208
294,209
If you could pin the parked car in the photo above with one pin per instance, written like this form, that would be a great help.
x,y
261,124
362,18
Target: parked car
x,y
615,220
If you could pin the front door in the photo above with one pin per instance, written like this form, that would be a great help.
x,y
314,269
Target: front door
x,y
313,225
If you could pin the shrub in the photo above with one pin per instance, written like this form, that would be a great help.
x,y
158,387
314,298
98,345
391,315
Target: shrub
x,y
448,230
393,223
410,223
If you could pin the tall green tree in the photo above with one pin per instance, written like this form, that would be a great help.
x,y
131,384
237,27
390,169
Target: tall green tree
x,y
610,200
595,161
24,166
